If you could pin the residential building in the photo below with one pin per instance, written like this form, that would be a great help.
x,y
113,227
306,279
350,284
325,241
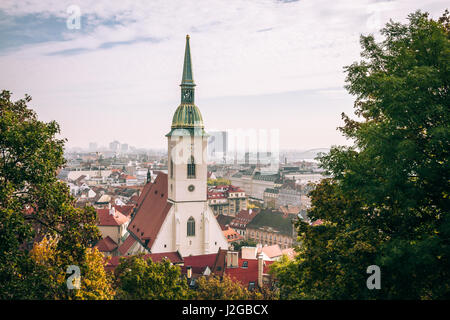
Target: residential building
x,y
271,227
226,199
112,224
242,219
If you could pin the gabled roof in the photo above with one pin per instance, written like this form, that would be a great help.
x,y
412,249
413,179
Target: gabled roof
x,y
126,245
110,217
220,262
151,211
106,245
126,210
231,235
244,217
199,263
272,251
275,220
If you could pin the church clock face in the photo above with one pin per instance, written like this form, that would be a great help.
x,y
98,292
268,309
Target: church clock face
x,y
191,188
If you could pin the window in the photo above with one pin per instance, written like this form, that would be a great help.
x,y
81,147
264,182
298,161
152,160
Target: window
x,y
245,264
191,227
191,168
171,168
251,286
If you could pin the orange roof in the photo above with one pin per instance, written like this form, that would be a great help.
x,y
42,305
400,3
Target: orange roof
x,y
110,217
231,234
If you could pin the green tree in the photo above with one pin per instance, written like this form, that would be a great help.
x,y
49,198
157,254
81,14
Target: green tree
x,y
244,243
34,203
387,202
217,288
138,278
218,182
225,288
95,282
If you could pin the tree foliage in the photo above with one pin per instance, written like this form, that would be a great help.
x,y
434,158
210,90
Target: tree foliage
x,y
219,182
34,203
244,243
220,288
95,282
215,287
387,202
142,279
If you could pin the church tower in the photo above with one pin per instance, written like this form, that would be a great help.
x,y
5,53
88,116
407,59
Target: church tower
x,y
173,212
187,143
195,228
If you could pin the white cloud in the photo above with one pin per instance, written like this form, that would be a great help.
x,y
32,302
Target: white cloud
x,y
248,47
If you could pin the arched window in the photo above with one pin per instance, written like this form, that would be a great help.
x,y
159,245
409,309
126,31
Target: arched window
x,y
171,168
191,168
191,227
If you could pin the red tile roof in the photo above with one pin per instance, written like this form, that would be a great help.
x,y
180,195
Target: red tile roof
x,y
243,218
222,191
134,199
106,245
199,263
249,274
125,209
174,257
126,245
151,211
105,218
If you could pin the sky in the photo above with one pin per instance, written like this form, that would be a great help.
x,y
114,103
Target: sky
x,y
110,70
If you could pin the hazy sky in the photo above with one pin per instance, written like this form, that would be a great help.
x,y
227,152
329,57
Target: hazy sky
x,y
262,64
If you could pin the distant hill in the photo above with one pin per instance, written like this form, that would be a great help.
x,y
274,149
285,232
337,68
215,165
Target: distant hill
x,y
312,153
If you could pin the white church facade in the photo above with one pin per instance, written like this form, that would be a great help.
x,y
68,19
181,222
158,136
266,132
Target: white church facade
x,y
172,213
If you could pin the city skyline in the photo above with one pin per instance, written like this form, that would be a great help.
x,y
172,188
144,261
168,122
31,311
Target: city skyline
x,y
258,65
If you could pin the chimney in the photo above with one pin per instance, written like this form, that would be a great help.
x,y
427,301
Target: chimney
x,y
232,259
250,211
260,270
112,210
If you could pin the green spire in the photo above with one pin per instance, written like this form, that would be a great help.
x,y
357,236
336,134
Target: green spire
x,y
188,78
187,115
